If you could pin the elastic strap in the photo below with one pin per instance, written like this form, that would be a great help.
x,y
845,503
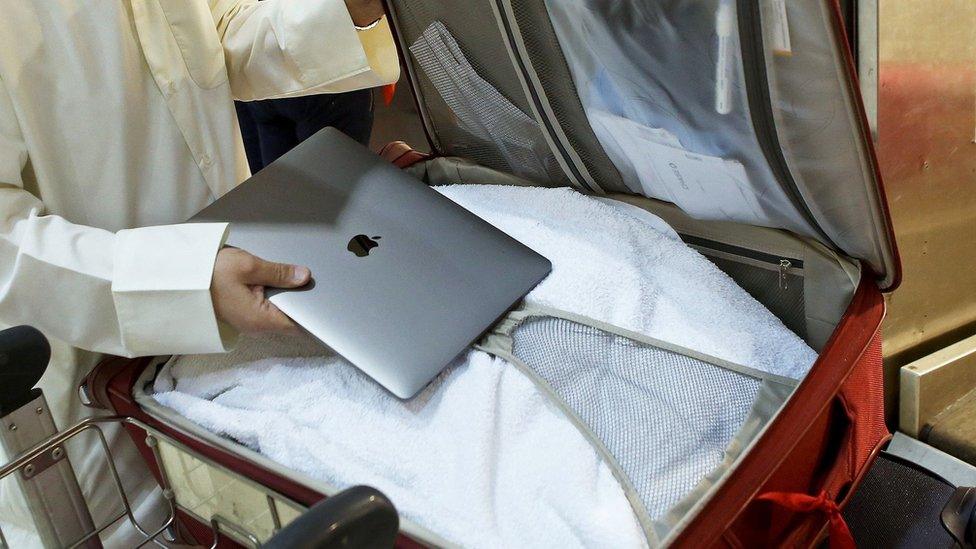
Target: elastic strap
x,y
840,534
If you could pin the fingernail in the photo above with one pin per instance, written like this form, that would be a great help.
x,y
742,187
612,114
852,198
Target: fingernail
x,y
299,275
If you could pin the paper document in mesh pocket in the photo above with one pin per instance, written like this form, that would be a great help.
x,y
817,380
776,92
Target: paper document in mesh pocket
x,y
664,417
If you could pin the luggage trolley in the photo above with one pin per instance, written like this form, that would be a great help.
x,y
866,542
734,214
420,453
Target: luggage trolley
x,y
819,449
358,517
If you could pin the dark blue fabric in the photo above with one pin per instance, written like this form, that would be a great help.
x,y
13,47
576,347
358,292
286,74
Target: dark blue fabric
x,y
272,127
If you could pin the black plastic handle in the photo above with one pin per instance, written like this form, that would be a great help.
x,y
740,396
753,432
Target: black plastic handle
x,y
959,516
360,516
24,354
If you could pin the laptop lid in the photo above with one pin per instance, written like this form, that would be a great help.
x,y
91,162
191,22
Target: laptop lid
x,y
404,279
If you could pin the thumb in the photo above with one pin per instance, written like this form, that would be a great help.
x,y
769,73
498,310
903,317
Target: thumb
x,y
278,275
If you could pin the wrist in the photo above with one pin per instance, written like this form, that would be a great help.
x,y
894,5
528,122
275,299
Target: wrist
x,y
365,12
367,26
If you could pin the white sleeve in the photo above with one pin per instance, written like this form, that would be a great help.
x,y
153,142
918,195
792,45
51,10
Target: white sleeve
x,y
285,48
138,292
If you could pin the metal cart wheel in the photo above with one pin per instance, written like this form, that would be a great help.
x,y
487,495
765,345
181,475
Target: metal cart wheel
x,y
357,517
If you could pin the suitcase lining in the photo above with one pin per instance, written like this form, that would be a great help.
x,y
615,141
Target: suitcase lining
x,y
667,418
620,389
482,46
761,282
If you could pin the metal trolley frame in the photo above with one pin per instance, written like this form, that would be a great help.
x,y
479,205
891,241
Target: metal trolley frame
x,y
41,467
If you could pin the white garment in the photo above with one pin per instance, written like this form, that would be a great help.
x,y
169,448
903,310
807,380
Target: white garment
x,y
118,115
481,456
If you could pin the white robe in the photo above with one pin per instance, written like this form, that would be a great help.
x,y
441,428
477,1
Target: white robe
x,y
117,124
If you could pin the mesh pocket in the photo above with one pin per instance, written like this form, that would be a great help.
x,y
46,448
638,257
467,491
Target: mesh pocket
x,y
481,110
783,296
666,418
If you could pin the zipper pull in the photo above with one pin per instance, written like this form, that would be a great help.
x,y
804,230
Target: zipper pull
x,y
784,270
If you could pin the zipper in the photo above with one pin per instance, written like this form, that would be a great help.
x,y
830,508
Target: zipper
x,y
761,107
547,125
784,270
783,266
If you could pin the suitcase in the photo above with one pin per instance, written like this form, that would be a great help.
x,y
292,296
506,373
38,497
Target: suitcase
x,y
596,96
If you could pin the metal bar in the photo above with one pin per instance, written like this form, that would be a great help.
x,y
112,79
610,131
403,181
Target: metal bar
x,y
97,531
166,487
58,438
216,521
273,509
867,59
127,507
95,424
182,448
152,537
46,477
118,480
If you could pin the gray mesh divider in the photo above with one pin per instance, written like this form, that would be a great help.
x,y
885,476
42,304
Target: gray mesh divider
x,y
481,109
665,418
472,25
767,288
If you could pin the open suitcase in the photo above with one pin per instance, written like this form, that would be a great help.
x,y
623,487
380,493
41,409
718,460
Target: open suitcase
x,y
585,93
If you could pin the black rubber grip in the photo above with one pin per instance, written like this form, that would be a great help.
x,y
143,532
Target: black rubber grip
x,y
360,516
24,355
959,516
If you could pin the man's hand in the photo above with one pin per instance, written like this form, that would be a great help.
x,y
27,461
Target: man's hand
x,y
364,12
237,290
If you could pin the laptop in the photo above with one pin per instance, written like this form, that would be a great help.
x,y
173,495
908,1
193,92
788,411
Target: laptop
x,y
404,279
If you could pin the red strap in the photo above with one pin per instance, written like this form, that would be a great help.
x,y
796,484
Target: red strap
x,y
388,91
840,534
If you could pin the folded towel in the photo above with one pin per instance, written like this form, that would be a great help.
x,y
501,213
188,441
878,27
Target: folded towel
x,y
628,269
481,456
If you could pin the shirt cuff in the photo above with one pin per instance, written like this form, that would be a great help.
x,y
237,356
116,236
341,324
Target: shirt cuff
x,y
330,54
381,53
161,288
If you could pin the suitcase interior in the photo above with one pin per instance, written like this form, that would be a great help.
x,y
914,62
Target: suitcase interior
x,y
816,262
204,488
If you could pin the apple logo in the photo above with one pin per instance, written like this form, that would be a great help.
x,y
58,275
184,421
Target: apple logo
x,y
362,244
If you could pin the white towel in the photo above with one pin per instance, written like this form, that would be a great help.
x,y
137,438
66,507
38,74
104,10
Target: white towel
x,y
627,269
480,456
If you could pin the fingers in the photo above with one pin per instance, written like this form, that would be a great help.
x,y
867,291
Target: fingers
x,y
274,320
276,275
256,315
267,320
237,291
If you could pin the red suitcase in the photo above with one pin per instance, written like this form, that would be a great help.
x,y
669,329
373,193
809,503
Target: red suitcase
x,y
787,487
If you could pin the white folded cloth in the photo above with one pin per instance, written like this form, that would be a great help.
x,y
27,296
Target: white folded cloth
x,y
481,456
624,266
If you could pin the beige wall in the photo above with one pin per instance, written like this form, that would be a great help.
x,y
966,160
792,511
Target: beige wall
x,y
926,130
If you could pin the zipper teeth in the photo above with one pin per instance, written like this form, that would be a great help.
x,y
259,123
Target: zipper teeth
x,y
755,255
534,97
761,108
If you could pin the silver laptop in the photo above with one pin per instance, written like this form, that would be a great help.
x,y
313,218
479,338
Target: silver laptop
x,y
404,279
